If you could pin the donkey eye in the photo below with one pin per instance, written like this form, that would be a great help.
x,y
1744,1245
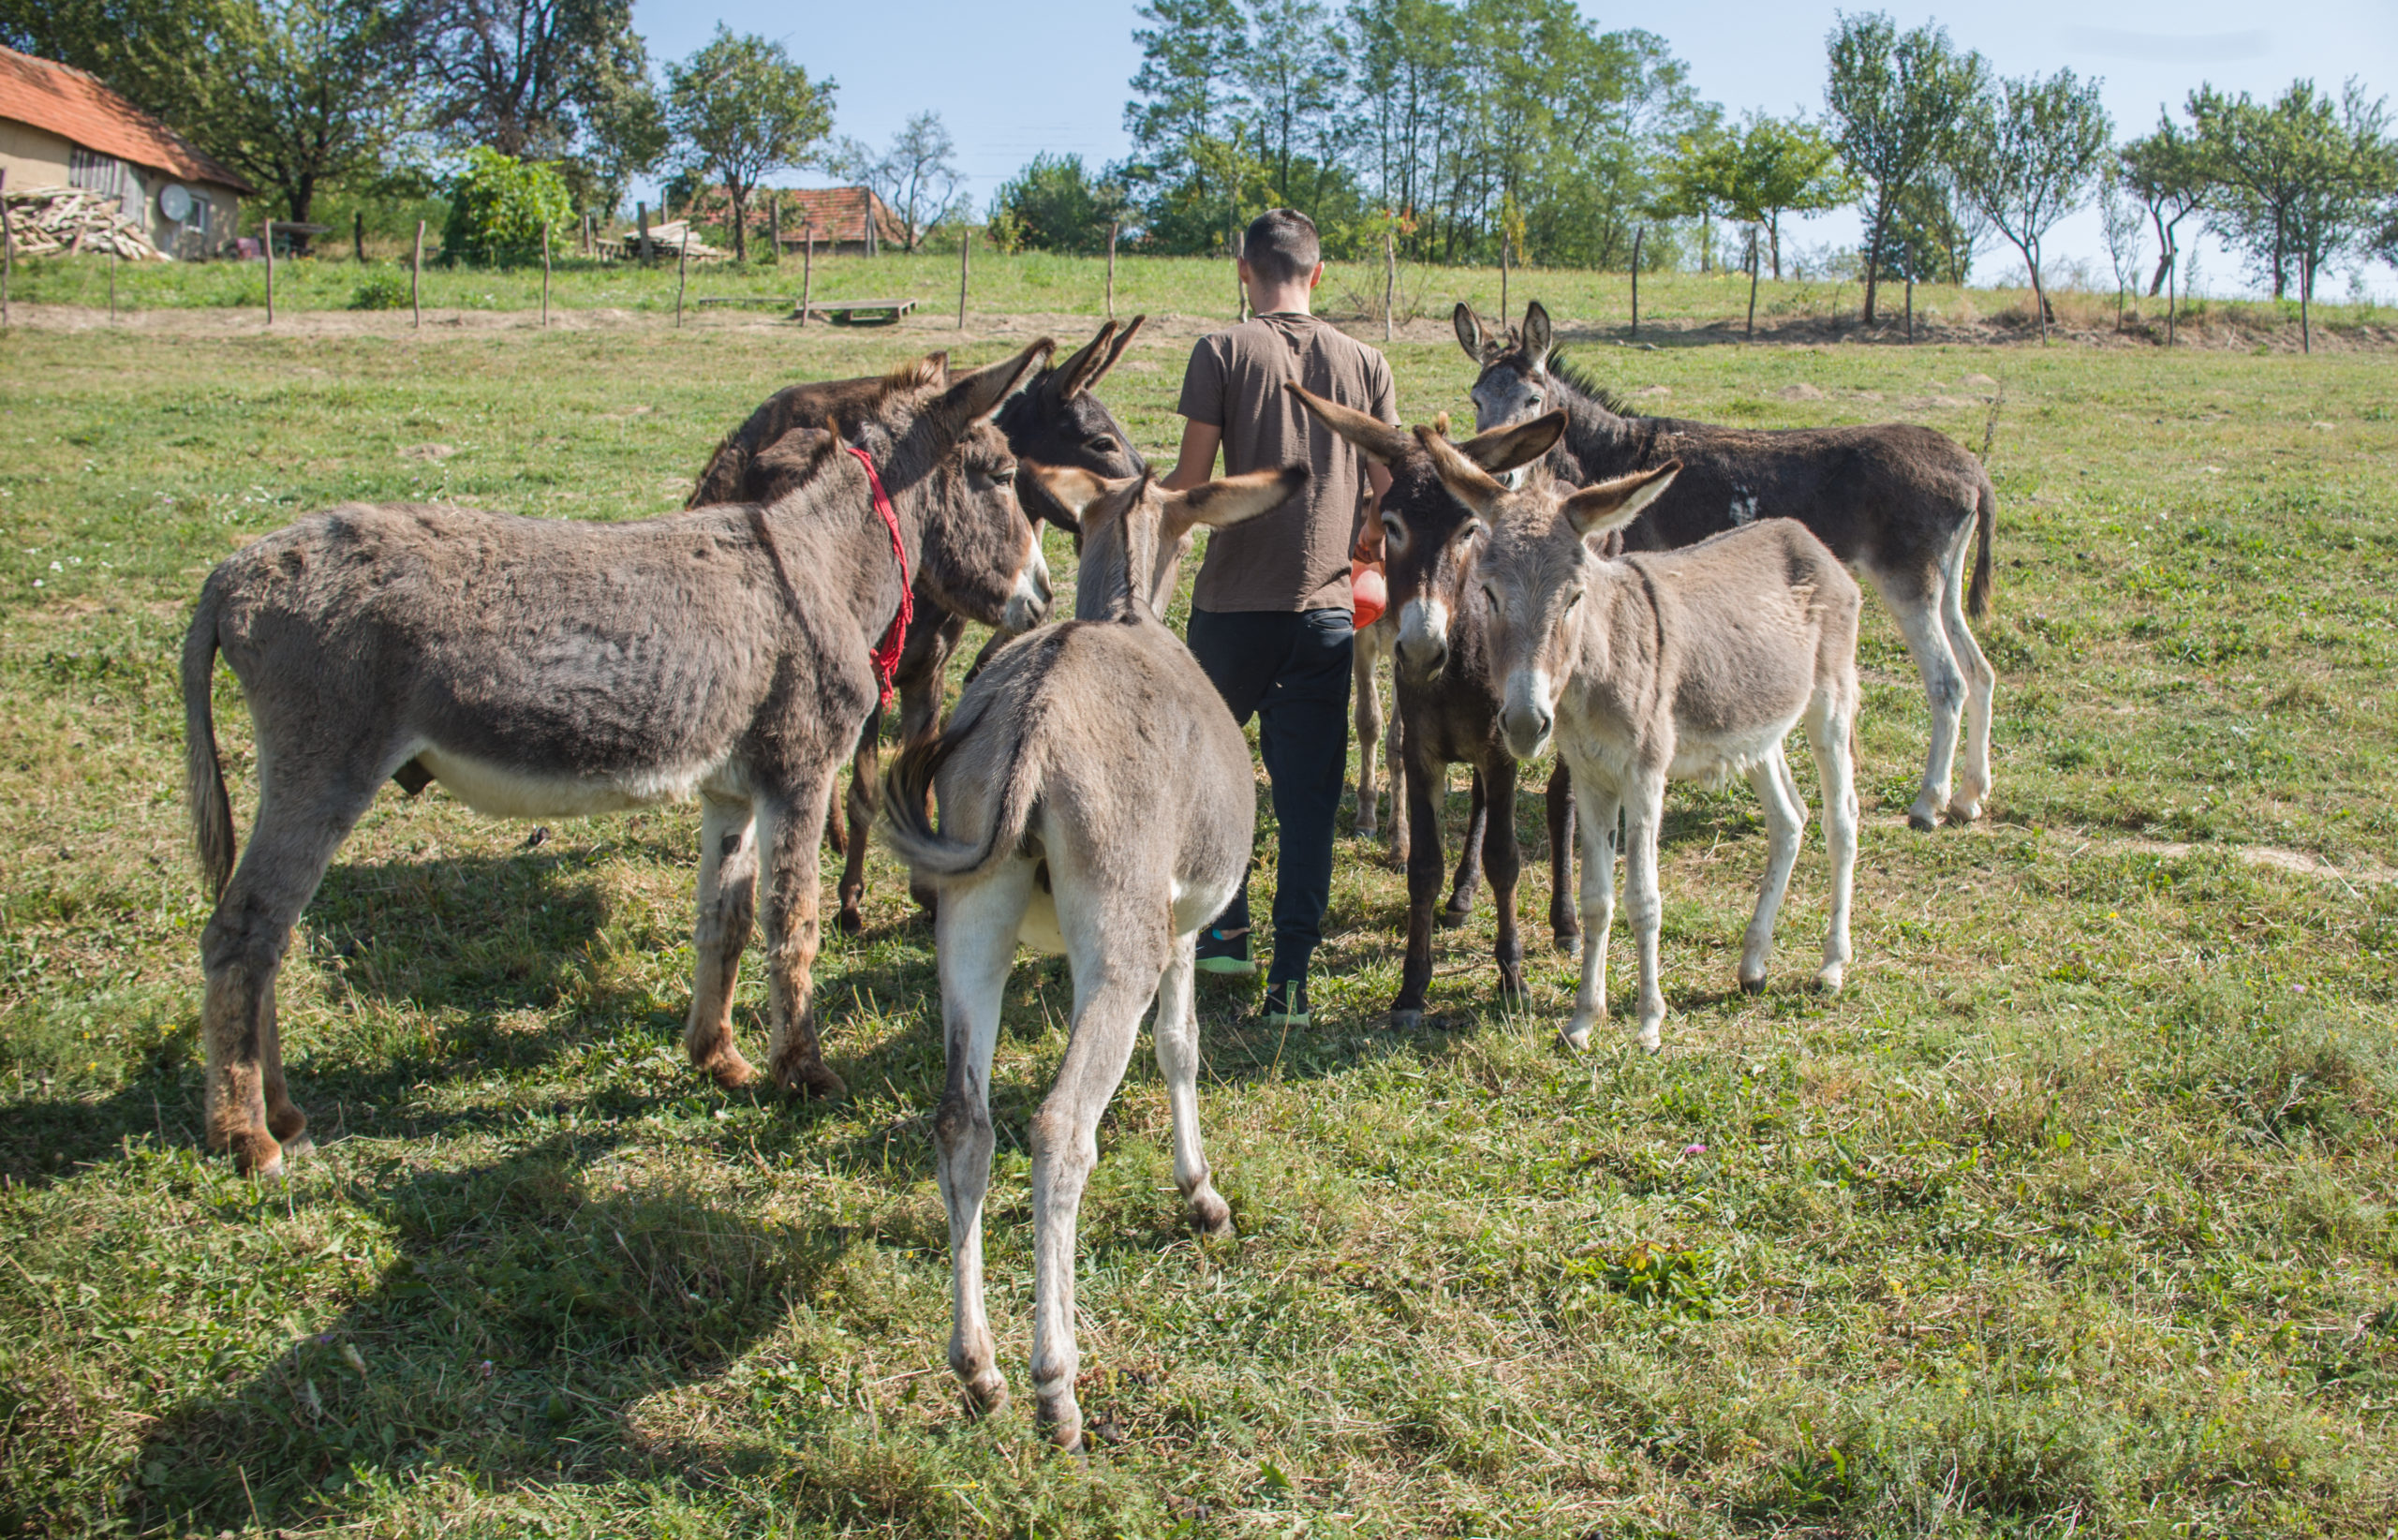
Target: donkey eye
x,y
1101,445
1490,597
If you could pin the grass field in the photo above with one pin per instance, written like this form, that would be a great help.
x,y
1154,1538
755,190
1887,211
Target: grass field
x,y
2073,1216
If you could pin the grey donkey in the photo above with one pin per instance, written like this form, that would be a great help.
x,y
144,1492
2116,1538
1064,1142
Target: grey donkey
x,y
1096,799
546,668
1690,664
1902,505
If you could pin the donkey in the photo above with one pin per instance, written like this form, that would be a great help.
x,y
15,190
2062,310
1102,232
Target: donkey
x,y
1691,664
1898,503
1446,692
1054,420
547,668
1096,799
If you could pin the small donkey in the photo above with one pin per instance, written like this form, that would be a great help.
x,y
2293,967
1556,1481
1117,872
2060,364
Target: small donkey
x,y
1096,799
1691,664
541,667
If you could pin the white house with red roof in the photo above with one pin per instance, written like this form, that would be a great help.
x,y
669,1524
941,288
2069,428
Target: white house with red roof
x,y
60,127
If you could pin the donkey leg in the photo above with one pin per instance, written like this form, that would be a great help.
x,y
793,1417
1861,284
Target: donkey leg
x,y
1460,905
250,1113
726,900
1369,714
866,780
1595,810
1117,972
1426,784
1394,775
795,1057
1785,819
1828,730
975,942
921,682
1177,1047
1502,858
1560,809
1981,684
1944,688
1644,808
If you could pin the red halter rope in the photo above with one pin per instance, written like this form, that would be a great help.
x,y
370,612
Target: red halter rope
x,y
885,656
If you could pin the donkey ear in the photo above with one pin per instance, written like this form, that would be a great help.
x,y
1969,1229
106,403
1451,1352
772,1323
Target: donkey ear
x,y
1115,351
1468,328
937,366
1071,487
1377,440
1230,499
977,394
1502,449
1537,336
1081,369
1609,506
1469,483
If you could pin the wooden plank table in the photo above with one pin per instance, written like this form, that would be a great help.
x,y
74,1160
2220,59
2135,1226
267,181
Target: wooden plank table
x,y
846,312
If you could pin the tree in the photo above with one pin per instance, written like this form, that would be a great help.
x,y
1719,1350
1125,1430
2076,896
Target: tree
x,y
2168,173
2119,217
1054,204
295,94
1759,172
743,109
1292,75
1895,98
1932,236
499,209
2302,178
1185,98
527,78
917,178
2026,153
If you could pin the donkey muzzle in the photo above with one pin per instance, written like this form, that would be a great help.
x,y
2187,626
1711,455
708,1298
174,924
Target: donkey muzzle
x,y
1028,605
1423,646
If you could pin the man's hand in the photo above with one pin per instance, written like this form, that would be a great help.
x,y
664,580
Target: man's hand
x,y
1196,464
1369,548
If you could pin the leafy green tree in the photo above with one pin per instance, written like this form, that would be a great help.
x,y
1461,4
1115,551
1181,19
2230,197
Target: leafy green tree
x,y
1932,236
2027,152
527,78
2301,179
743,109
1186,101
1405,67
1757,172
917,177
1292,76
1055,205
499,208
1895,98
2168,173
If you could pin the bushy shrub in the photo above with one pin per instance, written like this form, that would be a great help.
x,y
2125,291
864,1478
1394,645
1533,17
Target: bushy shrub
x,y
382,289
497,207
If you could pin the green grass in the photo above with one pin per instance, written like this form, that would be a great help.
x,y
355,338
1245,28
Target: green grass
x,y
2073,1216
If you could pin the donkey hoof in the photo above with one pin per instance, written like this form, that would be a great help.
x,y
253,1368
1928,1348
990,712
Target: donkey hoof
x,y
258,1156
1406,1018
812,1077
1964,810
1511,987
1651,1040
1921,822
1211,1216
1449,918
1061,1423
1566,937
1829,978
730,1069
985,1394
1753,986
850,921
1575,1037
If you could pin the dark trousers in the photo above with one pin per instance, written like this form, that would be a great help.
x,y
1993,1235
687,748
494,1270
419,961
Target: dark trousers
x,y
1291,672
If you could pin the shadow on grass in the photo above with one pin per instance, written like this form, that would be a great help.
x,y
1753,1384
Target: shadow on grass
x,y
536,1303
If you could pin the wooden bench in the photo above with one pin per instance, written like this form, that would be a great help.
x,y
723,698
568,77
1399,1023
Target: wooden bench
x,y
846,312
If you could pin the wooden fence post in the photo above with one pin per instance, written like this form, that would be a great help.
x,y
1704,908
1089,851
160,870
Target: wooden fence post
x,y
774,223
1503,280
965,249
545,274
1390,280
114,257
649,252
682,269
1910,307
1241,242
1112,225
270,273
416,280
7,248
1753,282
358,236
807,269
1636,234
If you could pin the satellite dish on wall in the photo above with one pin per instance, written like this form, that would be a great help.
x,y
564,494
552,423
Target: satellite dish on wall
x,y
175,202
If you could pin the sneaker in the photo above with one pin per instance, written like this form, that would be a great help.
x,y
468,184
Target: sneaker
x,y
1286,1003
1227,953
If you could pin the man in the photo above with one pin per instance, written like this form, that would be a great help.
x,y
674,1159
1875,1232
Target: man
x,y
1270,611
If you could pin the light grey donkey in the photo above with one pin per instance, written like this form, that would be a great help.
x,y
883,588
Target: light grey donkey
x,y
1096,799
547,668
1689,664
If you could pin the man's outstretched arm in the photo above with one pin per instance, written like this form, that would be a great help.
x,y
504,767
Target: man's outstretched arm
x,y
1197,464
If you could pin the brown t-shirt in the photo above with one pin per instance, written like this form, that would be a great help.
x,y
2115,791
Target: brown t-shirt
x,y
1296,558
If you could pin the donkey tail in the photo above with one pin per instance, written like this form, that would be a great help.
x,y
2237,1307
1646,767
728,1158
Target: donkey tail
x,y
212,816
1985,517
906,823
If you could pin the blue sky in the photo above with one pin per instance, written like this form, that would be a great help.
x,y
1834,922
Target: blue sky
x,y
1014,80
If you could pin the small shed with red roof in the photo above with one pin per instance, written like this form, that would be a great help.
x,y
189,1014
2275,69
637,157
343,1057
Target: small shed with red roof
x,y
847,221
60,128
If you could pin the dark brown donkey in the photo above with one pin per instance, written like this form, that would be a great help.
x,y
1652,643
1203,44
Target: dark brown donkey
x,y
1899,504
544,667
1448,698
1054,421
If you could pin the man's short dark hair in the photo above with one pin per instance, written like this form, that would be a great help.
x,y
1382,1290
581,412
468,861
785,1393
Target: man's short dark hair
x,y
1281,247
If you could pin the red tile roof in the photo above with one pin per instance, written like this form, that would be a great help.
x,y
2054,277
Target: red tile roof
x,y
839,214
74,105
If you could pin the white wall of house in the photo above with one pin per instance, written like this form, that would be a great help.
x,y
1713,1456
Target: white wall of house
x,y
36,157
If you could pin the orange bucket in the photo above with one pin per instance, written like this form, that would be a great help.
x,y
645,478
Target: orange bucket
x,y
1367,595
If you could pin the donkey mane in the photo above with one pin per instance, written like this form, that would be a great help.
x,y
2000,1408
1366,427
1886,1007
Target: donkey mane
x,y
1570,375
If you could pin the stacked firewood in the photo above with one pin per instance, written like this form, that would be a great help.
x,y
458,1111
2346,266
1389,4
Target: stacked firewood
x,y
48,221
